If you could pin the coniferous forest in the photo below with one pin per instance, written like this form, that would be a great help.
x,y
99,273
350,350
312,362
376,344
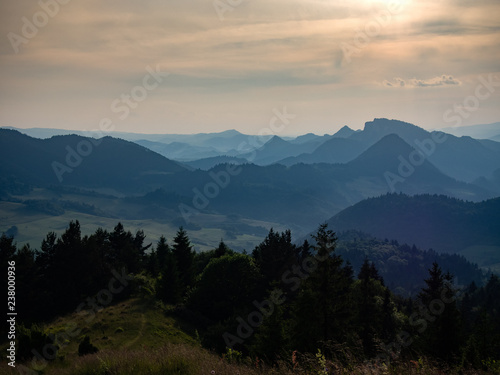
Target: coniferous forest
x,y
288,307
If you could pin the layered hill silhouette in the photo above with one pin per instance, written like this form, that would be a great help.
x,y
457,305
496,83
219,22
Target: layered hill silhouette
x,y
80,161
298,195
335,150
277,148
429,221
303,193
463,158
180,151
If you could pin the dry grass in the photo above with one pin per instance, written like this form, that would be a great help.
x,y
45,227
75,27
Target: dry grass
x,y
136,337
188,360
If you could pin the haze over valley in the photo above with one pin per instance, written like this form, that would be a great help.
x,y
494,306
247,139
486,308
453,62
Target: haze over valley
x,y
236,187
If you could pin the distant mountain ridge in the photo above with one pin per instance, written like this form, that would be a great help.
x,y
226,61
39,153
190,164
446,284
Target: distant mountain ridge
x,y
80,161
482,131
463,158
334,150
180,151
344,132
277,148
300,195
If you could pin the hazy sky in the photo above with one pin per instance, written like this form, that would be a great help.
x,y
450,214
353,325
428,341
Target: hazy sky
x,y
232,64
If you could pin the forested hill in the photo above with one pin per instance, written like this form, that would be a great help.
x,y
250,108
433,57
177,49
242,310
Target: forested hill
x,y
80,161
403,266
428,221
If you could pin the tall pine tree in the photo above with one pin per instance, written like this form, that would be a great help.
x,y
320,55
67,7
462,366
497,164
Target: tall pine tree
x,y
183,256
322,309
442,337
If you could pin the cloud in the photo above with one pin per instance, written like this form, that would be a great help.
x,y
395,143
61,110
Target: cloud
x,y
444,80
231,73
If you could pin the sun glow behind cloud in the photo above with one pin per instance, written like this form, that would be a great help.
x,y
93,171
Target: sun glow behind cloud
x,y
231,73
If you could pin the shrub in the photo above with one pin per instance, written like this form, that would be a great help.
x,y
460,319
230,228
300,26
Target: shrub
x,y
86,347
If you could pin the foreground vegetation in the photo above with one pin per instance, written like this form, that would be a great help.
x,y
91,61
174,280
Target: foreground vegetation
x,y
173,359
178,359
130,307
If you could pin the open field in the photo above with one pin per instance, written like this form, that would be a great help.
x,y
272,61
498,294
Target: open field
x,y
205,231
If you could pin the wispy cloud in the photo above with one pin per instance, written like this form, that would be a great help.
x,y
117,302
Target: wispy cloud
x,y
444,80
225,74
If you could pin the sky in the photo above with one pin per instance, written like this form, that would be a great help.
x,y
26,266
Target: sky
x,y
292,66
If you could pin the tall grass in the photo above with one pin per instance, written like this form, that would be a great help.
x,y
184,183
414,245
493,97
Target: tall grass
x,y
181,359
168,360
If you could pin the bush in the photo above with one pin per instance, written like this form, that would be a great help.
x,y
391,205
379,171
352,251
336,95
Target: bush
x,y
86,347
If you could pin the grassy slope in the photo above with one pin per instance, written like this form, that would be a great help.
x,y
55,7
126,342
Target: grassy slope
x,y
135,324
137,337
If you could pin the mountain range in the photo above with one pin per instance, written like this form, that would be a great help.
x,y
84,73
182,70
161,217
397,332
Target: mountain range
x,y
259,192
461,157
291,183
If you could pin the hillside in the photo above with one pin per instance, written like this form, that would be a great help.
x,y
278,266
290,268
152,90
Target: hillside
x,y
133,336
318,190
136,337
403,266
428,221
84,162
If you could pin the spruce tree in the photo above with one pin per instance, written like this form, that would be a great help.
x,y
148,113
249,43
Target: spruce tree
x,y
69,269
275,255
162,252
442,337
329,280
221,250
169,287
183,255
369,314
388,318
322,309
272,339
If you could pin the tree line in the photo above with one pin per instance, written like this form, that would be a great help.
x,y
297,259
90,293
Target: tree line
x,y
279,299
